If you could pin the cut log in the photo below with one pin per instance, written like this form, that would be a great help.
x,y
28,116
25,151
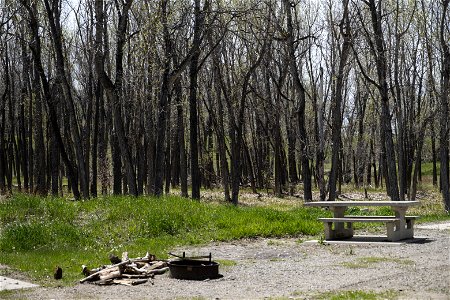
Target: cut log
x,y
104,282
133,269
94,275
110,275
156,265
141,276
158,271
114,259
86,271
129,282
126,271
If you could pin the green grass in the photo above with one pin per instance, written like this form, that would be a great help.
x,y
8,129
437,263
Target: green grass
x,y
366,262
226,262
357,295
38,234
9,294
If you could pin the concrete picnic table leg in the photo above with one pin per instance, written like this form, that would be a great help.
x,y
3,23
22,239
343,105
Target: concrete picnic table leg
x,y
339,231
400,230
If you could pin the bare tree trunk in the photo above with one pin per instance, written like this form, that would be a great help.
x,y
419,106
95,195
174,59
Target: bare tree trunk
x,y
306,172
320,140
54,163
95,138
399,115
151,149
386,127
22,122
163,103
434,155
140,154
2,136
181,139
116,159
114,89
220,126
420,140
39,166
251,173
175,155
444,110
23,153
199,18
53,14
337,105
167,168
292,140
36,51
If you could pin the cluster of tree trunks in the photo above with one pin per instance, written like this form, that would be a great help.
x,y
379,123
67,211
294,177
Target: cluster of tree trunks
x,y
134,97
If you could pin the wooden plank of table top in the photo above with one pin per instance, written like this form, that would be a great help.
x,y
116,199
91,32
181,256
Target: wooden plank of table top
x,y
362,203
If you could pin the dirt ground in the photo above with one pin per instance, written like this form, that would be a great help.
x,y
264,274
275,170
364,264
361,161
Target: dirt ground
x,y
296,269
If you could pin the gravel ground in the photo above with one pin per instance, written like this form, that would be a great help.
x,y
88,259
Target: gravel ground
x,y
287,268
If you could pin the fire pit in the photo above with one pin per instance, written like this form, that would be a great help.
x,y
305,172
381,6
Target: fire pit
x,y
193,268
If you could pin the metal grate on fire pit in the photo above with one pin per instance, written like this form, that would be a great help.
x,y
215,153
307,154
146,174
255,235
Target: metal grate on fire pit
x,y
193,268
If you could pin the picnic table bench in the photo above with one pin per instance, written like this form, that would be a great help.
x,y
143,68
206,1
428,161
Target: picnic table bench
x,y
340,226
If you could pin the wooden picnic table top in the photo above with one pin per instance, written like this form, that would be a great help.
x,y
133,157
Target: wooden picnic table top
x,y
362,203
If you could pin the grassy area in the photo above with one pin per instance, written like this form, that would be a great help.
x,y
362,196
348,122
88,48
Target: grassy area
x,y
366,262
356,295
38,234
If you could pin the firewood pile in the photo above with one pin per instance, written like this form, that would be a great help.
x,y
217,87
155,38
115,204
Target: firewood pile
x,y
126,271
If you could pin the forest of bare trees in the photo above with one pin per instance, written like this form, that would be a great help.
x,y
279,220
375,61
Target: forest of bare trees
x,y
148,97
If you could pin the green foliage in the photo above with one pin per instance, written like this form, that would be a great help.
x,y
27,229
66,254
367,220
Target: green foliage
x,y
38,234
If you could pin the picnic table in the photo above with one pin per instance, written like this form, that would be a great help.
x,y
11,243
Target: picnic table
x,y
340,226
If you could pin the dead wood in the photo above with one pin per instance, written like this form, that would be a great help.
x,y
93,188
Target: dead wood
x,y
103,271
126,271
156,265
129,282
104,282
142,276
111,275
114,259
158,271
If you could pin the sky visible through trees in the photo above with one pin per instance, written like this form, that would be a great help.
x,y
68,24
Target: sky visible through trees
x,y
294,96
